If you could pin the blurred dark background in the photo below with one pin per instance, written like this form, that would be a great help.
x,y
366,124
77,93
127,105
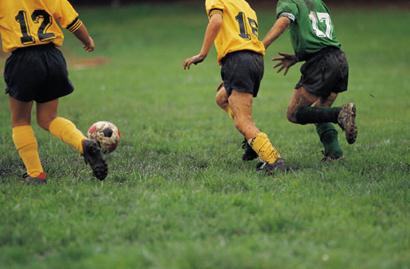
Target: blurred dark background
x,y
255,2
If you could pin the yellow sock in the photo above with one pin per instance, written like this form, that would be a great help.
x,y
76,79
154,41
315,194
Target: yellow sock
x,y
263,147
229,112
27,147
68,133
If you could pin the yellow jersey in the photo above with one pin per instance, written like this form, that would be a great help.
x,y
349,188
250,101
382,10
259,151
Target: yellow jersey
x,y
240,27
34,22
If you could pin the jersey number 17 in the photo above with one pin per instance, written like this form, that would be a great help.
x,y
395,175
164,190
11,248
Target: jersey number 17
x,y
318,18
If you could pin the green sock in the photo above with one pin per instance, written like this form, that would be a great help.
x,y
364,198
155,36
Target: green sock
x,y
308,114
328,136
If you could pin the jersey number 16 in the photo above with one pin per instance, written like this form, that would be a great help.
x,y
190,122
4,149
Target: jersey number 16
x,y
243,23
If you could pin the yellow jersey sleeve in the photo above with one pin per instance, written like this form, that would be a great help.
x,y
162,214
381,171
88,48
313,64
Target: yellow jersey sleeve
x,y
211,5
66,15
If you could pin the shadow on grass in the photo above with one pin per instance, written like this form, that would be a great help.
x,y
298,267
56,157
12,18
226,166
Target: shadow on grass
x,y
10,167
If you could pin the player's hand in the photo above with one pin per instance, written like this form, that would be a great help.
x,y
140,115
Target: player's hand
x,y
199,58
89,46
286,61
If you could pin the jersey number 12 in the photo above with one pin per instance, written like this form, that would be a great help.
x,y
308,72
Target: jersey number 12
x,y
320,17
42,34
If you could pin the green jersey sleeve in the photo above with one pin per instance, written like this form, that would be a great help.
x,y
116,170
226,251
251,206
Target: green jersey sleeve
x,y
287,8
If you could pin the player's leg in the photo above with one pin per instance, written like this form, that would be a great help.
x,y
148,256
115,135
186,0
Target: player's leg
x,y
241,104
24,139
300,98
304,114
301,111
222,100
327,132
67,132
60,127
320,77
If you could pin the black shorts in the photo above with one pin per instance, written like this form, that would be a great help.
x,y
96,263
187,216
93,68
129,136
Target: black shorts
x,y
325,72
37,73
242,71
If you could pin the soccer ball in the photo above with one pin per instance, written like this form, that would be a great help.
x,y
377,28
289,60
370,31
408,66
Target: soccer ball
x,y
106,134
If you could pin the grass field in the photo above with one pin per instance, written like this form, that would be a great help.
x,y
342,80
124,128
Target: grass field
x,y
178,195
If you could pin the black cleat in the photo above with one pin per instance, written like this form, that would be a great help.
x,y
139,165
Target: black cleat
x,y
38,180
271,169
93,156
329,159
347,121
249,154
332,157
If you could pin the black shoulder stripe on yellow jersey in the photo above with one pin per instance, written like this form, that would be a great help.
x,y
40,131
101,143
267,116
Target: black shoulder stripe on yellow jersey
x,y
76,26
214,11
72,23
72,27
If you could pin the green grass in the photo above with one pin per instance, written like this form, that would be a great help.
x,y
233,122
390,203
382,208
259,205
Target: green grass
x,y
178,195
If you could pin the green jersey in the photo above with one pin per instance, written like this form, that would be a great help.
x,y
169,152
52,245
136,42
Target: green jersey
x,y
311,29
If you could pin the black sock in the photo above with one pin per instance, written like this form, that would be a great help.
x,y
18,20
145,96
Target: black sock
x,y
308,114
328,136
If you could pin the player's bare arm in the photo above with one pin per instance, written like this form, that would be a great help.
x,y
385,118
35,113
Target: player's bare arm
x,y
285,61
212,30
276,31
83,35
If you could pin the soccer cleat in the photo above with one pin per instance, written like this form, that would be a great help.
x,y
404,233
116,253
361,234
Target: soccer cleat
x,y
271,169
331,157
38,180
93,156
346,120
249,154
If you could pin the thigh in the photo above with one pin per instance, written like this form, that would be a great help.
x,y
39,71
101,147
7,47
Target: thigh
x,y
301,97
241,104
20,112
221,96
46,113
326,102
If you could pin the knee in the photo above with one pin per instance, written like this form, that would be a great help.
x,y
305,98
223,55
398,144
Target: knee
x,y
291,115
221,101
45,121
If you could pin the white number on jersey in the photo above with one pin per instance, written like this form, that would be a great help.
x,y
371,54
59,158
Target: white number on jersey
x,y
317,17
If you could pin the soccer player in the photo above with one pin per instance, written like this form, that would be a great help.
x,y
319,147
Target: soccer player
x,y
36,72
233,26
324,73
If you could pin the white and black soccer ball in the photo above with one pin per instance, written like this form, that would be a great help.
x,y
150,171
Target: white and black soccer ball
x,y
106,134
